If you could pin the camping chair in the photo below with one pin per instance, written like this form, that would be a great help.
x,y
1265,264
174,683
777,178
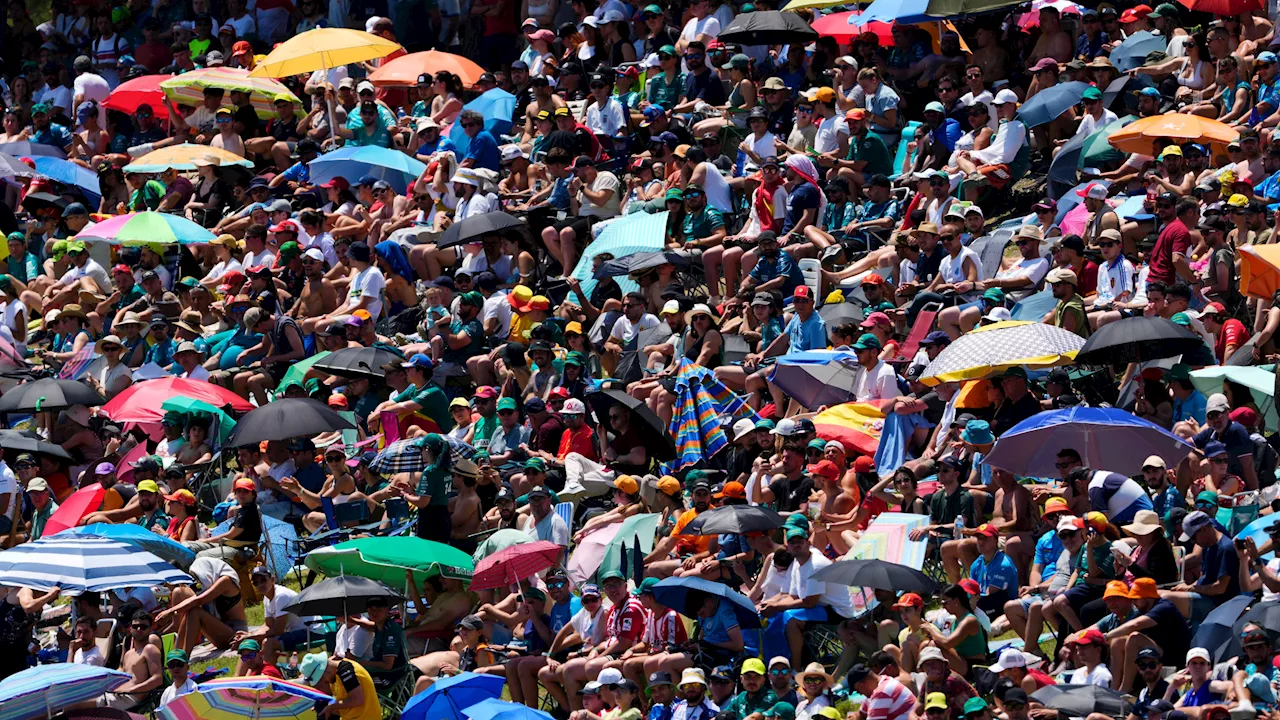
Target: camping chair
x,y
350,514
565,511
811,269
902,159
395,687
924,323
1237,511
736,349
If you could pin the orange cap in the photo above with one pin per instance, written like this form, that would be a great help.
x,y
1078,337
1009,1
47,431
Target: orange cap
x,y
909,600
733,490
1144,588
1116,588
1056,505
246,484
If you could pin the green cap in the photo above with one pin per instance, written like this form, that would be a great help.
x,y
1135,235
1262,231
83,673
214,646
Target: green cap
x,y
667,50
507,403
289,251
674,194
75,246
796,521
1091,93
40,109
1181,319
534,593
1207,496
796,531
173,418
176,655
611,574
817,444
120,14
190,282
868,342
765,424
654,9
746,8
974,705
646,586
995,295
59,248
739,61
535,464
576,358
249,645
473,298
311,385
782,711
1180,371
1164,10
5,283
16,237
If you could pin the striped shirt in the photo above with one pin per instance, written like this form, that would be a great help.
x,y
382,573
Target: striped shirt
x,y
626,621
890,701
661,632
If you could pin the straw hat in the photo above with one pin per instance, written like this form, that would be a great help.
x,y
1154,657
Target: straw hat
x,y
814,668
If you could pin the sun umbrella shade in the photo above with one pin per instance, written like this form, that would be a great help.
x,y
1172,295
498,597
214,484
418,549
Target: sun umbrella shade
x,y
11,166
1097,148
298,371
245,697
143,90
401,456
1265,614
287,418
1132,51
840,313
26,148
514,564
496,106
358,362
1218,632
69,173
352,163
1137,339
856,425
639,262
658,443
71,511
141,402
847,26
47,395
1080,700
1106,438
877,574
987,350
1259,270
701,403
385,559
495,709
734,519
188,88
477,226
41,691
183,157
158,545
20,442
1260,381
816,377
147,227
500,540
450,696
1223,7
188,406
674,593
1140,136
1045,106
322,49
279,535
84,564
342,595
404,70
635,532
628,234
768,27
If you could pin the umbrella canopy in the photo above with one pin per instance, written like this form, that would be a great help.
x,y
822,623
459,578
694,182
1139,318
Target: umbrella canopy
x,y
477,226
79,564
674,593
342,595
401,456
877,574
188,88
816,377
358,362
189,406
298,370
845,27
142,402
1140,136
637,232
840,313
22,442
397,168
514,564
287,418
796,5
1080,700
1045,106
1217,633
990,349
11,166
1132,51
158,545
256,697
404,70
633,535
279,535
1137,339
500,540
1261,383
322,49
1106,438
768,27
145,228
48,395
1223,7
26,148
449,696
79,504
639,262
1031,19
734,519
41,691
1259,270
386,559
702,402
143,90
69,173
494,709
1097,149
183,157
496,106
1265,614
657,442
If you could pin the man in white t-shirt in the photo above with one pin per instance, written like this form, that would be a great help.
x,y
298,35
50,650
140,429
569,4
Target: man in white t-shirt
x,y
606,115
634,320
804,600
368,287
176,663
495,316
874,379
589,621
89,87
543,524
703,26
83,649
832,139
281,630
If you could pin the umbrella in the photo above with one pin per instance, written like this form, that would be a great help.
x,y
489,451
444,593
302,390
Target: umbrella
x,y
1223,7
69,173
1080,700
84,564
1133,51
298,370
797,5
322,49
26,148
1265,614
1031,19
626,235
768,27
280,537
188,88
494,709
1217,632
183,157
48,395
143,90
245,697
1261,384
397,168
1260,270
856,425
361,362
1097,149
287,418
514,564
837,314
74,509
448,697
674,593
733,519
342,595
141,402
41,691
639,262
1062,169
1140,136
386,559
990,349
657,442
816,377
501,540
877,574
11,166
188,406
404,70
401,456
477,226
496,106
1137,339
633,535
845,27
158,545
1105,438
147,227
21,442
702,402
1045,106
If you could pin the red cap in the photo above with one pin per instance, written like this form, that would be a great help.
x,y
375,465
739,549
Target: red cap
x,y
285,226
338,401
876,319
970,586
988,530
1215,308
909,600
629,71
337,182
873,279
560,392
1245,416
825,468
715,45
260,270
485,392
864,464
1092,636
802,291
242,47
246,484
122,268
230,280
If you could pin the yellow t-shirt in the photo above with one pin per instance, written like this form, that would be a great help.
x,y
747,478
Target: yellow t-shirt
x,y
350,675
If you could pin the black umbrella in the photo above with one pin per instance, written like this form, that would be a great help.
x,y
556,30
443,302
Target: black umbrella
x,y
637,262
1217,633
284,419
658,441
1137,339
768,27
1264,614
357,362
44,201
877,574
49,394
477,226
343,595
22,442
734,519
1080,700
840,314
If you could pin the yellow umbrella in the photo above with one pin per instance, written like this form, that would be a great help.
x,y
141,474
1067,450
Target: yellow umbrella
x,y
322,49
188,88
813,4
183,157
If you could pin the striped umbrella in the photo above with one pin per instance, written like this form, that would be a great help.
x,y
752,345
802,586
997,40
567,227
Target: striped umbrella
x,y
40,692
188,88
245,697
405,456
701,402
145,228
79,564
183,157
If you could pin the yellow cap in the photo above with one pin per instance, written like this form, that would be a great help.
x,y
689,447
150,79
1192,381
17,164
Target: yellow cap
x,y
935,700
1238,200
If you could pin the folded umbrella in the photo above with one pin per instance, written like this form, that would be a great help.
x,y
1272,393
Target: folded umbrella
x,y
816,377
41,691
514,564
451,697
734,519
342,595
1080,700
1045,106
768,27
477,226
877,574
48,395
1137,339
674,593
366,362
287,418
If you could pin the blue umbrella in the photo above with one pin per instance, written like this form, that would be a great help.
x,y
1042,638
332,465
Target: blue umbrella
x,y
40,692
158,545
279,535
1133,51
497,106
1045,106
908,12
629,234
1062,170
1217,633
448,697
502,710
1106,438
1258,531
352,163
69,173
816,377
80,564
26,148
674,593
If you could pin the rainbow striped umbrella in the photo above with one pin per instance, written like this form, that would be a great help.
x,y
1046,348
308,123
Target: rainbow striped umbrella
x,y
145,228
245,697
188,88
701,402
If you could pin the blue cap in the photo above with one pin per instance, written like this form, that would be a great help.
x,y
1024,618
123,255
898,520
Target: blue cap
x,y
590,590
367,180
669,138
75,208
1152,92
1213,448
1266,56
420,360
937,337
652,112
258,182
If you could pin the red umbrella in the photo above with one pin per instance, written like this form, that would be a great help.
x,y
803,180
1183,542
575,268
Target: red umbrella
x,y
845,27
141,402
514,564
69,514
1223,7
143,90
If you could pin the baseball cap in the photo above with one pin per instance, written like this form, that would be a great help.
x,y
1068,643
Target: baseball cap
x,y
1193,523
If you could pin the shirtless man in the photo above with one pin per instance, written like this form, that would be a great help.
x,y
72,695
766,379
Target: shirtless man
x,y
1101,216
543,99
1012,517
839,508
319,297
449,603
1053,42
141,659
465,507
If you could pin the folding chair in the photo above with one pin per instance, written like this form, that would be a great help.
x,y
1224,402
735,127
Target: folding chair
x,y
811,269
348,514
565,511
902,158
736,349
924,323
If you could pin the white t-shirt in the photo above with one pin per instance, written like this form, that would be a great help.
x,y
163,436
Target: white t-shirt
x,y
244,25
275,607
222,268
1035,269
498,307
801,586
90,656
878,383
719,196
58,96
953,271
369,283
608,120
604,181
1088,124
590,627
199,373
264,258
829,129
172,692
624,331
91,270
353,642
709,26
1100,676
1115,280
14,315
479,204
764,147
91,86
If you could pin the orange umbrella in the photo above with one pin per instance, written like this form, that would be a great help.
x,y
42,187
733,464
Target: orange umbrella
x,y
1139,136
856,425
405,69
1259,270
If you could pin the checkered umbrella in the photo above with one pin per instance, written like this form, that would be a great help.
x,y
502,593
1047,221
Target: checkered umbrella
x,y
405,456
985,351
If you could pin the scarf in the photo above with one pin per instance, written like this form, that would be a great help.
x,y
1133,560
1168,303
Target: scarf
x,y
807,171
762,201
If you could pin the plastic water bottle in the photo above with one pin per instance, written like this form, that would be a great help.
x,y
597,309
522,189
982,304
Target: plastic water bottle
x,y
959,531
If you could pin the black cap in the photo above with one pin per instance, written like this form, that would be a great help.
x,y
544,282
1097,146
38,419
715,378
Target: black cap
x,y
1072,242
487,281
307,145
805,425
1167,197
359,251
857,674
1016,695
758,112
722,672
915,371
1059,376
660,678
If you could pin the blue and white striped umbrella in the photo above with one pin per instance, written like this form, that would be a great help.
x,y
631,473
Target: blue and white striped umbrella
x,y
40,692
79,564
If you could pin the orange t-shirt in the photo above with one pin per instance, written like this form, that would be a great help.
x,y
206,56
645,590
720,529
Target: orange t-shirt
x,y
689,544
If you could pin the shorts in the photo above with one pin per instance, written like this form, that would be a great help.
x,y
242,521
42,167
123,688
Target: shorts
x,y
581,227
294,640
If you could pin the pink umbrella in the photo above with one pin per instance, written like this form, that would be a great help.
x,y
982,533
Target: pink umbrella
x,y
845,27
510,566
124,469
1032,19
69,514
1074,221
589,553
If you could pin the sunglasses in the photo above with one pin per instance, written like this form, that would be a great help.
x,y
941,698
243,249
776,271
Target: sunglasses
x,y
1109,243
1025,242
1218,461
176,664
694,56
223,120
973,76
804,108
139,626
249,655
506,412
946,89
1148,665
813,681
780,672
471,124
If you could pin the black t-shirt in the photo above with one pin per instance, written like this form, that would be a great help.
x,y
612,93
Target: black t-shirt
x,y
248,117
927,265
562,139
666,36
606,289
782,120
283,131
936,406
1009,413
791,494
624,444
708,88
249,520
1171,627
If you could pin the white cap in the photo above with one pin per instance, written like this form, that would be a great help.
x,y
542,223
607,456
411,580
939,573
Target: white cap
x,y
1005,96
1198,654
693,676
672,307
846,60
314,254
742,427
371,23
837,445
1067,522
998,314
573,406
589,20
613,16
1014,658
973,209
511,152
652,61
365,85
1097,191
931,653
1217,403
609,676
786,427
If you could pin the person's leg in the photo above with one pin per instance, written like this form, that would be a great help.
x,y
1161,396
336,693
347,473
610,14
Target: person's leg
x,y
568,249
795,640
633,670
1021,552
732,376
951,562
527,679
665,402
662,568
575,676
732,260
550,677
1017,615
949,321
712,260
969,318
514,672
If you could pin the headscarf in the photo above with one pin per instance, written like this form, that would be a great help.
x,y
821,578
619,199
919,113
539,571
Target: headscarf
x,y
394,255
442,451
805,168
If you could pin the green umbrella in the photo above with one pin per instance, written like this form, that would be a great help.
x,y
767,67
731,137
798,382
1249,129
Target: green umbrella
x,y
1260,379
635,529
386,559
1097,151
190,406
298,370
499,541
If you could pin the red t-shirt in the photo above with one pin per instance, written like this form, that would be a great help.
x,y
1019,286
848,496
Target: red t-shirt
x,y
153,56
1232,332
1174,238
271,671
1088,278
628,621
579,441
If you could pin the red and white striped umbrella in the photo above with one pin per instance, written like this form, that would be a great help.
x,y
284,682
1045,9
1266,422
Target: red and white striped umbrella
x,y
514,564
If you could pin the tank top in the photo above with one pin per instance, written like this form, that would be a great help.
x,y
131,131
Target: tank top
x,y
717,189
1195,82
691,352
974,646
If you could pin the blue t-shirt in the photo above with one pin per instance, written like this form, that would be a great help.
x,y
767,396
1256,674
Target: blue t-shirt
x,y
1221,559
1237,440
161,353
804,197
1269,94
1048,549
999,574
298,172
561,613
809,334
948,133
1193,407
1163,501
55,135
715,629
783,265
483,151
706,87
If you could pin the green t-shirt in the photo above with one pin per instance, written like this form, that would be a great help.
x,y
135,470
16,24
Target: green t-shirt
x,y
437,484
1074,307
745,703
1102,557
40,517
435,405
702,223
871,149
26,269
147,197
484,430
1111,622
422,108
660,93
